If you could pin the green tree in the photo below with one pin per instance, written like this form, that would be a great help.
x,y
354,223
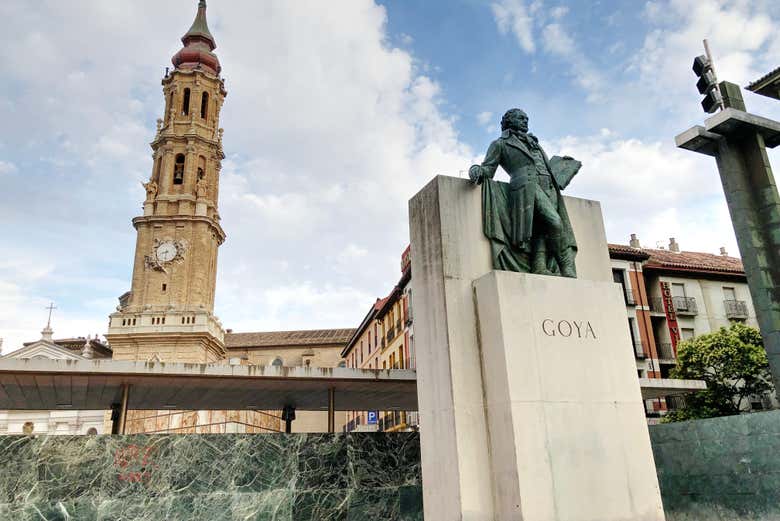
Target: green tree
x,y
733,363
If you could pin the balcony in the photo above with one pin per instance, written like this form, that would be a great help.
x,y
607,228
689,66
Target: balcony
x,y
639,349
736,309
390,335
675,402
665,351
685,305
629,296
682,305
657,305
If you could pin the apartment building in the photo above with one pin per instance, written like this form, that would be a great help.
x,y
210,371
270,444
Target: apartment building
x,y
673,295
385,340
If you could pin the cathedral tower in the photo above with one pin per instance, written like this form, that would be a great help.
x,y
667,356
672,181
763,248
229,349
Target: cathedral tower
x,y
168,313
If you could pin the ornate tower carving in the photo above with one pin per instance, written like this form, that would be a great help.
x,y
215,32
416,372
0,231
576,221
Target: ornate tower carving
x,y
169,310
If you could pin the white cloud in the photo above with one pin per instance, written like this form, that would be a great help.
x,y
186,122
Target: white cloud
x,y
737,32
515,17
6,167
558,41
484,118
329,130
559,12
652,189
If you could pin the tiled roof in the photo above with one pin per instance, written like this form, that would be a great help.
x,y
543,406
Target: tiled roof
x,y
288,338
692,261
623,251
753,85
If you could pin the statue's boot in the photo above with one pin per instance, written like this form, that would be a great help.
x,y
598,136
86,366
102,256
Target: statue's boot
x,y
539,260
566,262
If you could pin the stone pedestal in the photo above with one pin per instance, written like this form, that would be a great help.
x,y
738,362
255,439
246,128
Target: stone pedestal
x,y
463,472
566,425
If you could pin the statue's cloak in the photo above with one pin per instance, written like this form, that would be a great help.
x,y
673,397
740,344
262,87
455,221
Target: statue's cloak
x,y
510,252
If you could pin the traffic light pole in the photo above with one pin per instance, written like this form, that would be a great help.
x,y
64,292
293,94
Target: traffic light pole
x,y
738,141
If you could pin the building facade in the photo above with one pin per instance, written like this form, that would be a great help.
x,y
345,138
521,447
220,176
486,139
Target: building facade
x,y
673,295
62,420
385,340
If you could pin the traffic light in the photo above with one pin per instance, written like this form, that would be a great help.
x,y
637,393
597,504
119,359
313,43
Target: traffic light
x,y
707,84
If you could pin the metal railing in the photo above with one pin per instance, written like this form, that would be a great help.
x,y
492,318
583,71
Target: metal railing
x,y
682,305
657,305
685,305
736,308
639,349
629,295
390,334
665,351
675,402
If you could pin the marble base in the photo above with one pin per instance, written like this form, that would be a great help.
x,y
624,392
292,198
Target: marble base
x,y
264,477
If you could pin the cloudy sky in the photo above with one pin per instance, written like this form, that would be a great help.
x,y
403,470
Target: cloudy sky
x,y
337,113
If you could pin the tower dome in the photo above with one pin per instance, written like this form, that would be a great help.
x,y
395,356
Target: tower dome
x,y
198,46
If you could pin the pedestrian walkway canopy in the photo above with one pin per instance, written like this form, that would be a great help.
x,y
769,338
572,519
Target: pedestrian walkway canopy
x,y
38,384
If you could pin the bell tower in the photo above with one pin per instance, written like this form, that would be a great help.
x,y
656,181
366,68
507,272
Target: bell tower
x,y
168,313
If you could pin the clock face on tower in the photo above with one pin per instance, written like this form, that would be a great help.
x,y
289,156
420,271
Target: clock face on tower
x,y
166,251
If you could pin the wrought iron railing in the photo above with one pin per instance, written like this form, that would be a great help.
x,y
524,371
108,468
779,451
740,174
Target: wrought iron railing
x,y
685,305
675,402
657,305
736,308
665,351
682,305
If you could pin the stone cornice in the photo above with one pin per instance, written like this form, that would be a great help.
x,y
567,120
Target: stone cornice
x,y
181,218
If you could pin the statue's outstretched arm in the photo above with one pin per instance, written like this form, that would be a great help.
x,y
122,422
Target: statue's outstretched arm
x,y
488,167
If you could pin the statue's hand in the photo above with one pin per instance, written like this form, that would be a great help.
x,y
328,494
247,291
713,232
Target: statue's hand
x,y
475,174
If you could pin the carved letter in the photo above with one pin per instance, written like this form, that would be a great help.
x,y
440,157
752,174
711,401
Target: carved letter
x,y
545,323
591,331
561,329
578,326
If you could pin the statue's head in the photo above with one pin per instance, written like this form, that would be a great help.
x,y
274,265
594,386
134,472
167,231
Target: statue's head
x,y
515,119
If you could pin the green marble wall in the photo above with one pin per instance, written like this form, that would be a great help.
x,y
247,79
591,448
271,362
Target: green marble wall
x,y
358,476
721,468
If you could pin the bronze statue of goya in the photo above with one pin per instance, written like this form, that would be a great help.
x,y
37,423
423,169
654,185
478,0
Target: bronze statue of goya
x,y
526,220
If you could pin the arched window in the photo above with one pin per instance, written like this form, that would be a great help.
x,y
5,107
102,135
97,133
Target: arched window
x,y
277,362
92,431
28,428
178,170
185,105
204,105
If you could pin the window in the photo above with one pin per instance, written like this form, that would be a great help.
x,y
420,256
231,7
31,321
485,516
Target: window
x,y
342,364
92,431
277,362
686,333
204,105
632,329
178,170
729,294
185,105
28,428
164,287
678,290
